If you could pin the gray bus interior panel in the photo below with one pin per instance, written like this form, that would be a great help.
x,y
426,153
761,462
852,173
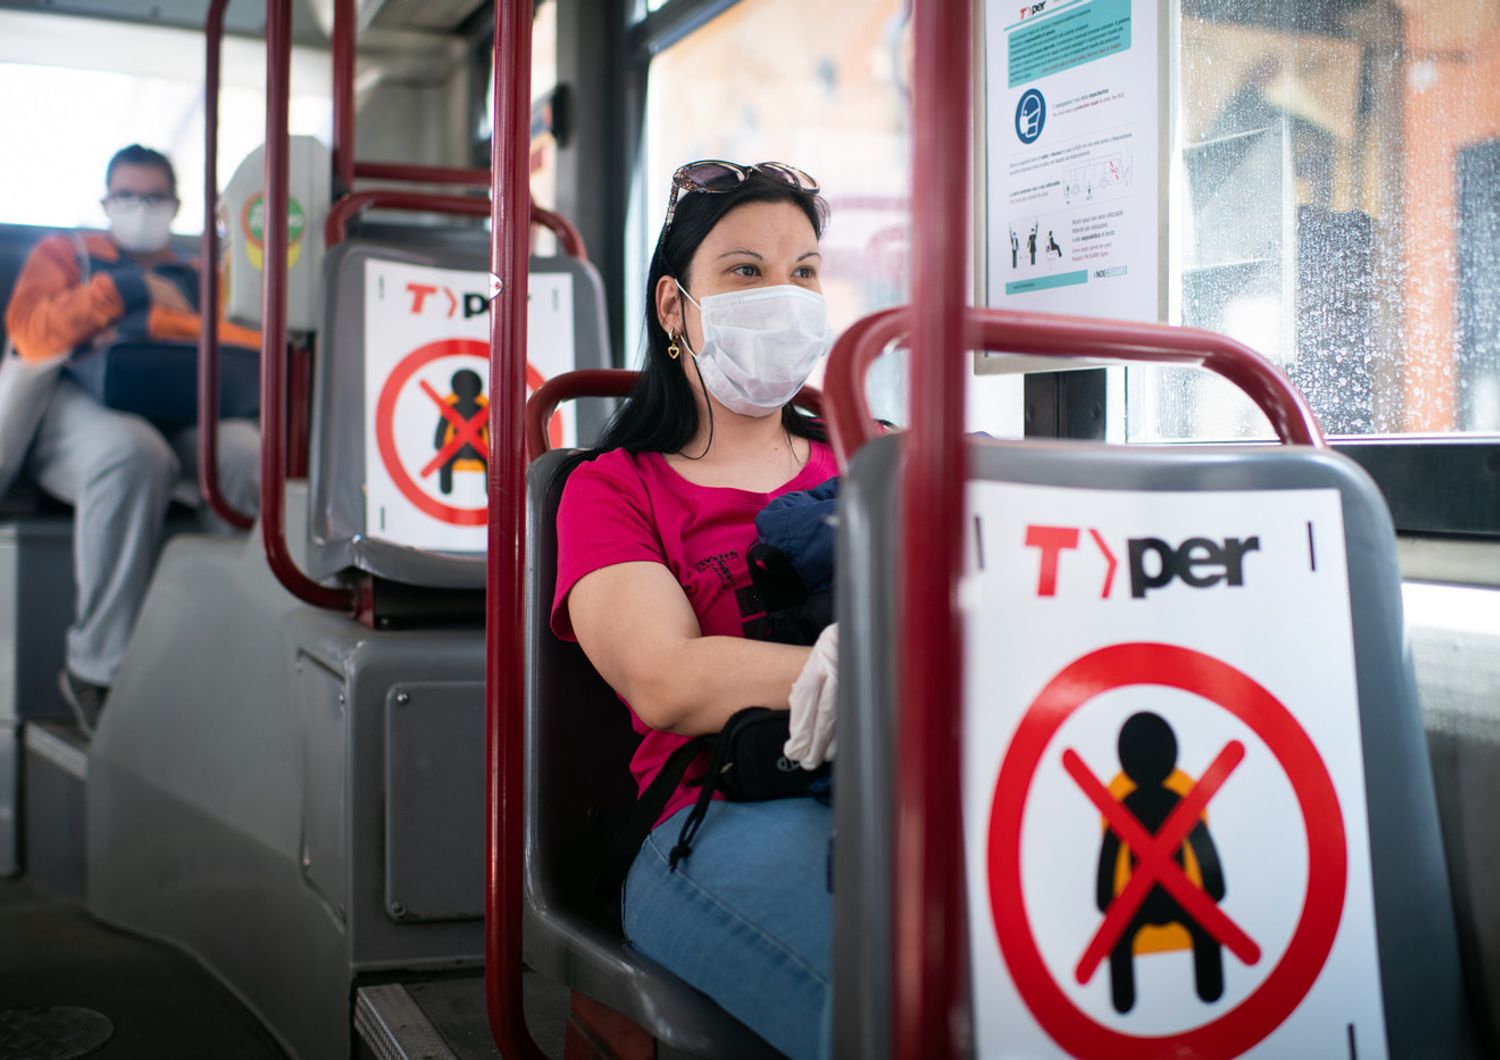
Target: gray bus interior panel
x,y
240,792
36,608
337,536
579,792
1419,969
435,800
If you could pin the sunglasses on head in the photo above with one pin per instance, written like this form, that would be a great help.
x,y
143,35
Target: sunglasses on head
x,y
714,176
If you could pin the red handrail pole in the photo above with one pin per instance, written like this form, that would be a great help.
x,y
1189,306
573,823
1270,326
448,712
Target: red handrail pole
x,y
208,281
418,174
1054,335
603,382
343,94
1050,335
273,322
849,422
930,951
583,382
335,226
510,199
566,231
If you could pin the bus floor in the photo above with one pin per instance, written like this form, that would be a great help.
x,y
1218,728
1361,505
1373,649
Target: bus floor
x,y
162,1004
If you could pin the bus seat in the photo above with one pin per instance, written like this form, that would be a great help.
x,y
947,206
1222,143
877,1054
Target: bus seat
x,y
1415,936
579,793
441,321
310,193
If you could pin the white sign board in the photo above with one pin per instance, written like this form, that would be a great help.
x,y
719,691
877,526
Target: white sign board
x,y
1166,839
427,391
1072,138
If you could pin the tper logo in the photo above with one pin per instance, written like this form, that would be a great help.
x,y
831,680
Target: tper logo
x,y
1198,562
473,302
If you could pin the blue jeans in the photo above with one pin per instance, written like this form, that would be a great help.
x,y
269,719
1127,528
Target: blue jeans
x,y
748,918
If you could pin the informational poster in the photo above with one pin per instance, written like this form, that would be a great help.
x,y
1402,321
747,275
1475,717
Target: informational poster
x,y
427,369
1073,139
1166,837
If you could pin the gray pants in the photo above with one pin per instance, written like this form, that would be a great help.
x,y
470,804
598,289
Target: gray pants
x,y
119,474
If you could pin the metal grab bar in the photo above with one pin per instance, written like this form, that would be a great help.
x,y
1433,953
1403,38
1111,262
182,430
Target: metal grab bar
x,y
342,47
505,655
335,227
345,168
568,235
273,468
928,924
208,282
602,382
417,174
1052,335
591,382
352,205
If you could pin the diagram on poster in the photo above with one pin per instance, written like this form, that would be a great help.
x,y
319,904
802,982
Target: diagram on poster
x,y
1165,826
1072,157
427,398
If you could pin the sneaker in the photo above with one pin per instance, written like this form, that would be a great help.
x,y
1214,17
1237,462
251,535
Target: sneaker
x,y
86,699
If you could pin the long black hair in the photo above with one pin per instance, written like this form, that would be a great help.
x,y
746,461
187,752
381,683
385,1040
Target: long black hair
x,y
661,415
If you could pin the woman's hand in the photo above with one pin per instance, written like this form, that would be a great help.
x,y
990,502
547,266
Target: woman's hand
x,y
813,704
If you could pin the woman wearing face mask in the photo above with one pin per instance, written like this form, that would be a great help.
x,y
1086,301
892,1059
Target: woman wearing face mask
x,y
652,582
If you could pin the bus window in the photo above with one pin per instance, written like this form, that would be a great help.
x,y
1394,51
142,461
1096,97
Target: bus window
x,y
142,84
1335,198
823,86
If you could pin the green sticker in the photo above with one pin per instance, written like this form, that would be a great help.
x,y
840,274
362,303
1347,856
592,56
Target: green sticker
x,y
255,220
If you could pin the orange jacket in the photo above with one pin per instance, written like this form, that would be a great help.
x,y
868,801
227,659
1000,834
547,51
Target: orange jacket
x,y
53,311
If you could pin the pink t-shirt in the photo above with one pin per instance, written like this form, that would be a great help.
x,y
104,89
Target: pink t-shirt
x,y
626,508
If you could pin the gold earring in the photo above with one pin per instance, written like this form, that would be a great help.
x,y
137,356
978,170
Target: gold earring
x,y
672,350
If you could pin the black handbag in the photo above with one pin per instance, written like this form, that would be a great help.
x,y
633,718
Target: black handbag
x,y
746,765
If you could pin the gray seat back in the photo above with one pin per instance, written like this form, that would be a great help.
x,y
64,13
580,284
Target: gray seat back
x,y
578,749
579,793
1414,950
397,329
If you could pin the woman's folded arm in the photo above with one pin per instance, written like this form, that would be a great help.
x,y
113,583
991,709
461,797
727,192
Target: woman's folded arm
x,y
638,628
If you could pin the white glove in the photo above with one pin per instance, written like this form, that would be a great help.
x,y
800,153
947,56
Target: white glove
x,y
813,694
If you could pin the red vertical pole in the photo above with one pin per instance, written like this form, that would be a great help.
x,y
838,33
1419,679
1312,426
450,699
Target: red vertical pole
x,y
273,440
343,96
510,200
930,947
208,280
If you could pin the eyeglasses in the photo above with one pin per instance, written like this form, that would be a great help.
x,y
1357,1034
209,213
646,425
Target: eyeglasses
x,y
134,198
712,175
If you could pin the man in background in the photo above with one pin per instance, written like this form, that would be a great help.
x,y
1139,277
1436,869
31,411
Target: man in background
x,y
77,292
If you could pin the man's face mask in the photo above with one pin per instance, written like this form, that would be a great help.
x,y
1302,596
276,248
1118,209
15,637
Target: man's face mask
x,y
760,345
140,224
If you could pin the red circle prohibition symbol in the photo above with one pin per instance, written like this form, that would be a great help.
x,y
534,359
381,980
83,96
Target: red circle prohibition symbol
x,y
385,419
1172,666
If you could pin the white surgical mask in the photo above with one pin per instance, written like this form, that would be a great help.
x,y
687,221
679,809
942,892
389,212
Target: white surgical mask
x,y
139,228
760,345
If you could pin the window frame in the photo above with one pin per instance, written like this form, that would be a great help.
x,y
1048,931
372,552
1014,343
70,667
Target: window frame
x,y
1445,486
1434,485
